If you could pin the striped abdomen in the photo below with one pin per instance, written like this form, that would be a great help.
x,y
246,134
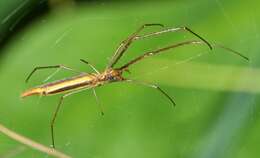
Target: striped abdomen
x,y
61,86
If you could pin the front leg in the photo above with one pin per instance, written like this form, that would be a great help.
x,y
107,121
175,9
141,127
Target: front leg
x,y
153,86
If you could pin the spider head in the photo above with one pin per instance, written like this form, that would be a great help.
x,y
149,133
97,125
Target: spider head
x,y
113,75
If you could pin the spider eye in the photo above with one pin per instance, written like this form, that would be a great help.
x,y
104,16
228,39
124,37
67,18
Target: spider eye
x,y
112,78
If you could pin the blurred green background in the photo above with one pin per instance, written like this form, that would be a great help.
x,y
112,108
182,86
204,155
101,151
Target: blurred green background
x,y
217,93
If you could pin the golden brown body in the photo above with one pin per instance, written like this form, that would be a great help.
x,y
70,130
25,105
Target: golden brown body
x,y
81,81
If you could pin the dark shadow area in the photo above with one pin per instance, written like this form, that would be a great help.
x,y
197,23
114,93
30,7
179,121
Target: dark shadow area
x,y
18,22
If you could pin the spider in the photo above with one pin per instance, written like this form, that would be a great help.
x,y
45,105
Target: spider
x,y
111,74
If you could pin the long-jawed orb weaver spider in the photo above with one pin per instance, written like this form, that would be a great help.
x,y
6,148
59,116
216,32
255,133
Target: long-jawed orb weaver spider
x,y
111,74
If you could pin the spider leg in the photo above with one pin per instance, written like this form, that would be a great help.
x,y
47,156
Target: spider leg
x,y
98,102
157,51
161,50
231,51
152,86
57,110
175,29
49,67
125,44
93,67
